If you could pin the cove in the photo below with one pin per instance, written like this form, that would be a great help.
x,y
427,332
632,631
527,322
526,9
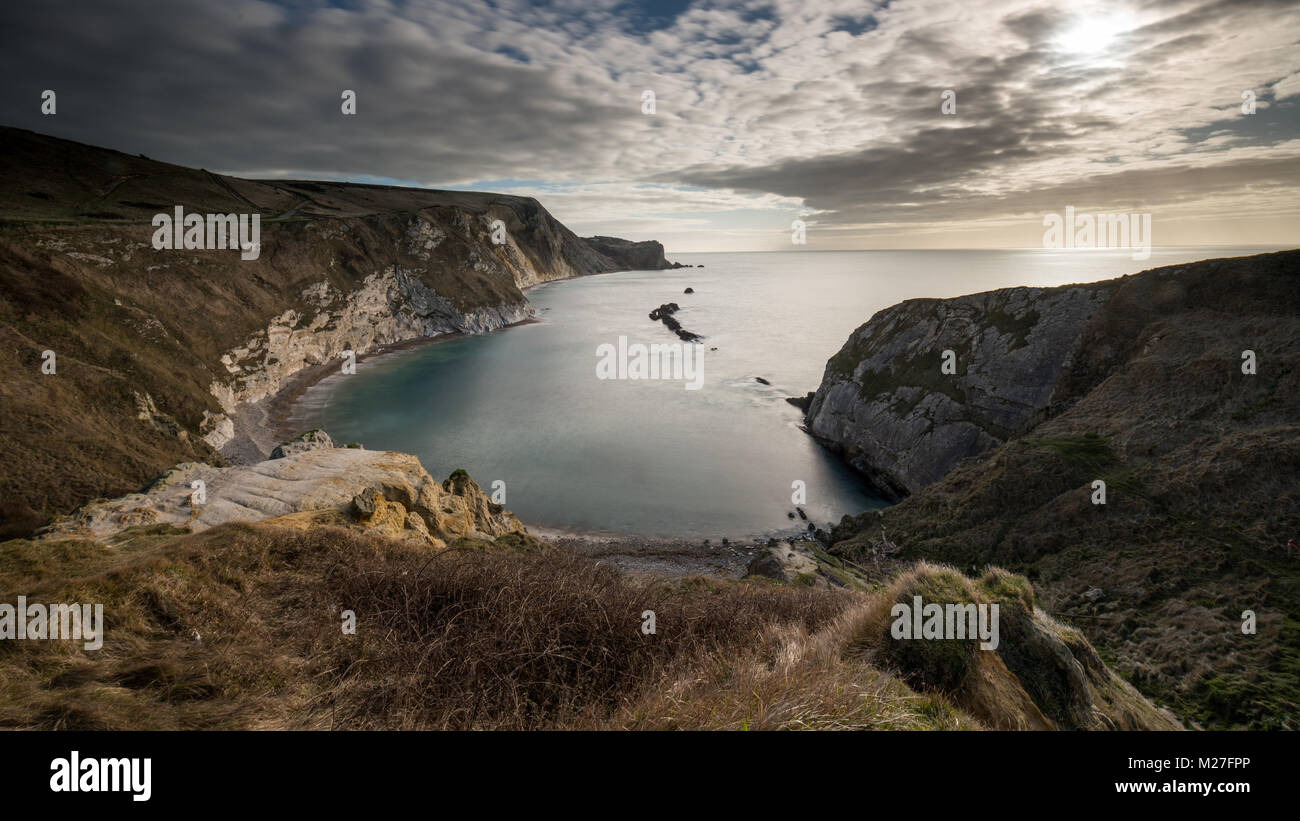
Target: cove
x,y
582,454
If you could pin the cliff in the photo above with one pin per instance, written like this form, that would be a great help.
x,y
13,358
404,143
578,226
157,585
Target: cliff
x,y
634,256
887,406
156,351
1136,382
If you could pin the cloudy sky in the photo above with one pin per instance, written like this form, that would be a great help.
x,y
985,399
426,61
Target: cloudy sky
x,y
764,112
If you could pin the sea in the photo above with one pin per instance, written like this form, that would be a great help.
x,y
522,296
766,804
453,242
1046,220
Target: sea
x,y
526,412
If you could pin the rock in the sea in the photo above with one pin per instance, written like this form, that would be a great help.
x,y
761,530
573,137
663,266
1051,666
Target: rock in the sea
x,y
665,310
801,402
689,291
664,313
761,380
311,440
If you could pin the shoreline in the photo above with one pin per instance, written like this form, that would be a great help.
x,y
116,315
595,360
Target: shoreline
x,y
664,557
262,425
655,556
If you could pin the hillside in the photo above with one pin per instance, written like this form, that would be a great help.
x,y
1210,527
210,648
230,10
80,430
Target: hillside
x,y
230,614
162,355
1137,382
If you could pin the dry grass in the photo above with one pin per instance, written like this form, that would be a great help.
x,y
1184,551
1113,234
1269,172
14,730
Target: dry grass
x,y
508,641
795,679
239,627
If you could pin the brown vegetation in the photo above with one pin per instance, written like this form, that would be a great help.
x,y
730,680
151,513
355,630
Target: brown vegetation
x,y
240,627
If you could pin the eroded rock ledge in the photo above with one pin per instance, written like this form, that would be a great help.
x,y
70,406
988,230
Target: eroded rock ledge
x,y
388,491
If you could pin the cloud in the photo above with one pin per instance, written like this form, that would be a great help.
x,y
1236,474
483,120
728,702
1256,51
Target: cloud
x,y
763,110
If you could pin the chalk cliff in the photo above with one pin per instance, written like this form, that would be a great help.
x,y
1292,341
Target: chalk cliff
x,y
163,347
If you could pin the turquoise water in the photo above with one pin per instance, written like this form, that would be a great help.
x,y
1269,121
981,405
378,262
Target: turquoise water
x,y
524,406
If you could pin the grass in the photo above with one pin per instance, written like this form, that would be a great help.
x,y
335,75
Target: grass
x,y
240,627
1090,456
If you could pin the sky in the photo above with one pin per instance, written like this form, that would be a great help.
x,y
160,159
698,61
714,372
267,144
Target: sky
x,y
831,112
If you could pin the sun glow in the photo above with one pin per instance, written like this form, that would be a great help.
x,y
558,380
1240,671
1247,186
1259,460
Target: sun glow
x,y
1094,33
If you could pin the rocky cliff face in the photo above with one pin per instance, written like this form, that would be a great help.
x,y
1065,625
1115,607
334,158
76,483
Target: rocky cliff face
x,y
632,256
887,404
156,350
1177,389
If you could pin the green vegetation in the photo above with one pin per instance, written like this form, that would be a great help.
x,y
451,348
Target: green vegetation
x,y
1090,457
1007,588
920,371
1017,328
932,664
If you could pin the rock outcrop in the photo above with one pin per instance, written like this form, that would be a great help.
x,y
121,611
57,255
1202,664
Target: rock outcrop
x,y
311,440
386,491
888,405
664,313
783,562
631,256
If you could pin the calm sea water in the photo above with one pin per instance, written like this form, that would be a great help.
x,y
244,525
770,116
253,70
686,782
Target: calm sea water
x,y
650,458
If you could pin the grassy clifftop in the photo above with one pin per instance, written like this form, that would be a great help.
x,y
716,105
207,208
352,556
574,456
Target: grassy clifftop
x,y
241,626
1201,465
